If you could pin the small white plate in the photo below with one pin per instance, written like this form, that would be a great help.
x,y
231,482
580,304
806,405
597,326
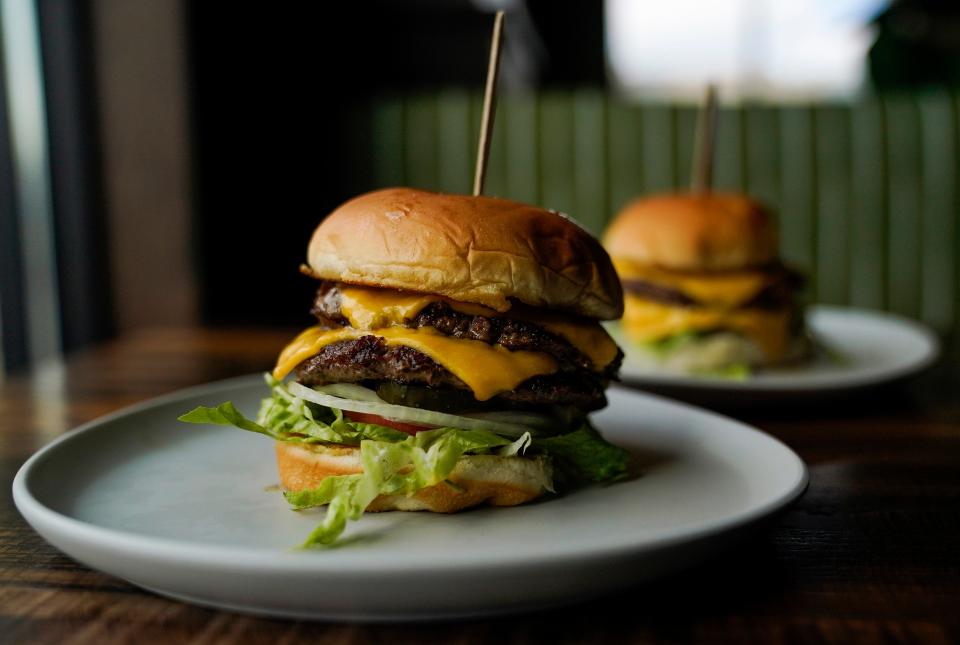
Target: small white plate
x,y
870,348
185,511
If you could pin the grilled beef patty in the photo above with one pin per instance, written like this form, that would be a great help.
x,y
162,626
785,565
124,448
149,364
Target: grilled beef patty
x,y
776,295
510,333
369,358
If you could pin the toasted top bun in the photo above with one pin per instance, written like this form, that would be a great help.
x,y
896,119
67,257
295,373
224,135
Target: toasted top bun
x,y
472,249
477,479
694,232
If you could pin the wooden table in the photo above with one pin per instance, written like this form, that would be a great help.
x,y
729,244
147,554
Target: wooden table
x,y
870,553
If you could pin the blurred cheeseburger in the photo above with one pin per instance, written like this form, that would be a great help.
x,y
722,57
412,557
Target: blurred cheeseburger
x,y
456,354
705,291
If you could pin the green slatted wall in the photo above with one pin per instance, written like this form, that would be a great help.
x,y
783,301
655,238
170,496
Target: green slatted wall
x,y
867,195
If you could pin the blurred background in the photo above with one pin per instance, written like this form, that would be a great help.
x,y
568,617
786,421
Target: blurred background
x,y
163,162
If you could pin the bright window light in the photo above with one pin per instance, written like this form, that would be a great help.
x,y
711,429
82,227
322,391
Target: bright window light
x,y
771,49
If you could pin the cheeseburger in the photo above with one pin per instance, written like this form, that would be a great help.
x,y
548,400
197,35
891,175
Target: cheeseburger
x,y
705,291
456,353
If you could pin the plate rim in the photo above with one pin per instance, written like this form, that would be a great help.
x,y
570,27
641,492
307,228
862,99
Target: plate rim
x,y
833,382
292,561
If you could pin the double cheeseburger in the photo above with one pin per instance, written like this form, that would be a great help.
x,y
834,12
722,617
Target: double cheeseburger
x,y
456,353
705,291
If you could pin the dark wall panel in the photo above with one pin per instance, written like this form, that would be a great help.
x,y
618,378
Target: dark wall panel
x,y
12,317
81,243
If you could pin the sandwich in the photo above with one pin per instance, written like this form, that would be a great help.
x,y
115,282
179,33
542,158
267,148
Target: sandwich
x,y
456,353
705,290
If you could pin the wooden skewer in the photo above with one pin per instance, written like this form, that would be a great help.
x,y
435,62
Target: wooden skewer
x,y
703,152
489,107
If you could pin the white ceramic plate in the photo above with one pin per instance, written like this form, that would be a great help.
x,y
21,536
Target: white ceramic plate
x,y
871,348
185,511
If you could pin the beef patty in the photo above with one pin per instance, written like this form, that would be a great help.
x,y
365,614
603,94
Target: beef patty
x,y
369,358
778,294
511,333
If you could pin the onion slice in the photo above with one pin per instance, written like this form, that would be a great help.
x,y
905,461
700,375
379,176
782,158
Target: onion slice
x,y
517,417
350,391
414,415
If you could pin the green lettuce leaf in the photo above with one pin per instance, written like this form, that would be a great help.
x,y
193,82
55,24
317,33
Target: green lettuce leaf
x,y
285,417
346,496
733,372
585,456
518,447
224,414
669,344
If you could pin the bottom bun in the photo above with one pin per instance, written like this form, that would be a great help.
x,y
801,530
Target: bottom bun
x,y
476,479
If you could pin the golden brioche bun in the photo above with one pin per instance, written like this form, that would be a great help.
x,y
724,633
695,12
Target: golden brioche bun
x,y
472,249
484,479
694,232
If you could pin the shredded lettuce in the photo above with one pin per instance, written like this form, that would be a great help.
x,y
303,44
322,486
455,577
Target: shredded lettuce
x,y
396,463
733,372
664,348
389,468
669,344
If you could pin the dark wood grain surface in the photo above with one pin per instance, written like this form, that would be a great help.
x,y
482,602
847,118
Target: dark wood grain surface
x,y
871,552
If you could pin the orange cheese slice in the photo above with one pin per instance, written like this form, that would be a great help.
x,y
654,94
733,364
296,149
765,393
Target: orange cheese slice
x,y
724,289
647,321
487,370
375,309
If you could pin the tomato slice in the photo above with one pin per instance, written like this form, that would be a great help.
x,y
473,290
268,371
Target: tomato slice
x,y
364,417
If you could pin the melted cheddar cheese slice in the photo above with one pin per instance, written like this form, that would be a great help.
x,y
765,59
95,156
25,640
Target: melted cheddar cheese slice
x,y
375,309
368,309
378,308
647,321
487,370
724,289
586,335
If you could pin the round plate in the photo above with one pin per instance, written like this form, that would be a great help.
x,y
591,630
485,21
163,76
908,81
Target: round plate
x,y
864,349
190,512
